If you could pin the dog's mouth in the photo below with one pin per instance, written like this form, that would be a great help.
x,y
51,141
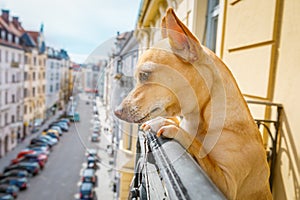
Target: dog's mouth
x,y
149,115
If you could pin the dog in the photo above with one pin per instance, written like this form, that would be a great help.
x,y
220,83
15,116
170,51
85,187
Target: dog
x,y
184,91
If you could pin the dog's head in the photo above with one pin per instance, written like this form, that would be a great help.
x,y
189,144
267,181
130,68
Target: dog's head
x,y
164,75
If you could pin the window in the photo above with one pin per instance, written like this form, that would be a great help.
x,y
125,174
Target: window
x,y
26,60
51,88
33,75
3,33
25,109
18,113
57,86
25,92
6,119
17,40
13,78
6,56
43,88
34,61
20,58
13,98
9,37
212,24
33,92
6,97
25,76
12,119
13,57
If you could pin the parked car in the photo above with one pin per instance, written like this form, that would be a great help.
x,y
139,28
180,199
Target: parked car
x,y
40,149
62,125
41,141
74,117
24,152
4,196
95,137
51,140
20,182
92,152
66,120
53,135
41,159
96,129
56,130
86,191
89,176
9,189
31,167
15,173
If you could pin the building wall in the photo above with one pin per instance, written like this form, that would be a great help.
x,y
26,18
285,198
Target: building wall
x,y
11,97
286,89
35,86
53,85
260,49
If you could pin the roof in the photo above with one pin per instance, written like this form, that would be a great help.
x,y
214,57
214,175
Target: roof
x,y
34,35
28,40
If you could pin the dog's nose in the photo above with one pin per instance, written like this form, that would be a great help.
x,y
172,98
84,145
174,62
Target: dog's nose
x,y
118,111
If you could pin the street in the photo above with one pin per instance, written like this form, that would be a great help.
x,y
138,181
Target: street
x,y
60,179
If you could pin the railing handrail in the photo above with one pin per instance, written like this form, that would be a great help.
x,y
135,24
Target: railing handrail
x,y
179,175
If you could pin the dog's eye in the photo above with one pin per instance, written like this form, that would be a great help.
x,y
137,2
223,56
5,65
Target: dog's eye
x,y
143,76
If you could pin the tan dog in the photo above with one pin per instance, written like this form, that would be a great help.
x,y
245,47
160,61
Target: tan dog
x,y
180,77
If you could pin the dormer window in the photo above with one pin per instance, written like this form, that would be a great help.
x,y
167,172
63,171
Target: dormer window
x,y
17,40
3,34
9,37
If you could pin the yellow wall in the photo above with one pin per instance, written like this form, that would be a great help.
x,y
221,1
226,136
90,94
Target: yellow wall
x,y
260,46
287,84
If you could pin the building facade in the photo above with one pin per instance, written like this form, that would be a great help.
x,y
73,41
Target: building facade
x,y
257,41
124,134
34,79
11,82
53,79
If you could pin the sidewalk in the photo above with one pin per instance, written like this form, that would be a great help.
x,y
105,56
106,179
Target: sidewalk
x,y
5,160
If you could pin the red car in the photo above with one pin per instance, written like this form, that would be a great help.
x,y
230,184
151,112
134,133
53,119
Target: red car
x,y
24,152
41,159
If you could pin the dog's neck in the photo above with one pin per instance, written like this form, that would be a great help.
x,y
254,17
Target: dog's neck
x,y
218,106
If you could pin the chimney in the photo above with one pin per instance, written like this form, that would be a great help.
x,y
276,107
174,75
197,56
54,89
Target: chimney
x,y
15,21
5,15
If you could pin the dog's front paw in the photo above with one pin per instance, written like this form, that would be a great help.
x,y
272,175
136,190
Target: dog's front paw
x,y
161,126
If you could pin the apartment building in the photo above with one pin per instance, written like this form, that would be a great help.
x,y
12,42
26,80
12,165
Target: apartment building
x,y
34,79
121,70
11,82
57,78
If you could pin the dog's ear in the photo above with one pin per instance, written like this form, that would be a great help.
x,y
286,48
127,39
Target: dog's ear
x,y
183,43
164,33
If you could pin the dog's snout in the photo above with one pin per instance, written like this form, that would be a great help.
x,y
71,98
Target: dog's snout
x,y
118,111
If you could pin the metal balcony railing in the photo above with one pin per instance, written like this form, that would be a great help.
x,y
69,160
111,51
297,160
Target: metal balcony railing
x,y
164,170
272,126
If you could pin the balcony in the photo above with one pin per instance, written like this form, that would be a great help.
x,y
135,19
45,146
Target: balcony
x,y
164,170
14,64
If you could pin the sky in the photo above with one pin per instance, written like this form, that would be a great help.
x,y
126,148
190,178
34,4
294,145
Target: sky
x,y
78,26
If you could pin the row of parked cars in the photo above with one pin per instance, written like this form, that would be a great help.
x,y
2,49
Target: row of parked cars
x,y
31,160
88,177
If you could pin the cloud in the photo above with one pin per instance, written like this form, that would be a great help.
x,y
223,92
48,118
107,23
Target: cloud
x,y
77,25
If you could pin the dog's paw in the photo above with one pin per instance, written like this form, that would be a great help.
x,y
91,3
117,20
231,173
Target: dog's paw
x,y
161,126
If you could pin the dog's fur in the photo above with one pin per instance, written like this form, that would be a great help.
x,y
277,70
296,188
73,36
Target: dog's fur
x,y
188,80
